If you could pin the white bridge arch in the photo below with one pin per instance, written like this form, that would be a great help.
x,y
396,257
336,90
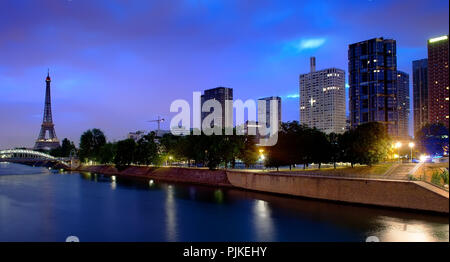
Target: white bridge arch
x,y
25,154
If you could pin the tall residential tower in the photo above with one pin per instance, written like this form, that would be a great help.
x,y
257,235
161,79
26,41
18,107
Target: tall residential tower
x,y
372,66
438,86
220,94
322,99
403,104
420,93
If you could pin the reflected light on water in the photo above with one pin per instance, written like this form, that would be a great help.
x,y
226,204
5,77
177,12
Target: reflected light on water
x,y
171,222
264,227
410,231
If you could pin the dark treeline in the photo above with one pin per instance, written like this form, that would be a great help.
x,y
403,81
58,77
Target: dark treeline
x,y
298,145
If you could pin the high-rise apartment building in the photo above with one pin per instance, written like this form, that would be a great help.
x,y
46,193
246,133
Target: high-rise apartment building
x,y
438,86
403,104
372,66
322,99
220,94
420,93
265,114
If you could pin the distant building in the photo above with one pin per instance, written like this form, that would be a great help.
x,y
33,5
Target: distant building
x,y
420,93
322,99
403,104
372,66
220,94
266,114
438,86
136,135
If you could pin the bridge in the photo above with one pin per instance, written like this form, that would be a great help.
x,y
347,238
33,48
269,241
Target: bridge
x,y
34,158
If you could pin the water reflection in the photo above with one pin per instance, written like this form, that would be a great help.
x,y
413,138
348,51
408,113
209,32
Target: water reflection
x,y
171,213
52,205
395,230
263,221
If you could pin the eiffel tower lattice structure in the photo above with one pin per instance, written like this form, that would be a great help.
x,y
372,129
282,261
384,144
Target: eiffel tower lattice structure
x,y
47,123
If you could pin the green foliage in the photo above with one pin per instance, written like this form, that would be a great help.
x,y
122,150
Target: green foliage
x,y
125,153
91,142
107,153
297,145
146,150
444,177
64,150
370,143
412,178
248,152
436,178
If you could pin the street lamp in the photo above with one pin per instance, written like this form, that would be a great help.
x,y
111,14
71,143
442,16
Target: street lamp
x,y
411,145
261,156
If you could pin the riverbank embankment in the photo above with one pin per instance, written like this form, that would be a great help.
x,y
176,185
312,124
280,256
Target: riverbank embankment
x,y
414,195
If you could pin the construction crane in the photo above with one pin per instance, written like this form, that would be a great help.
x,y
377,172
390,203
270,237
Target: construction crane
x,y
159,120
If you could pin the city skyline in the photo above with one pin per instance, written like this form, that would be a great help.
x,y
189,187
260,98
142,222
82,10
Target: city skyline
x,y
106,75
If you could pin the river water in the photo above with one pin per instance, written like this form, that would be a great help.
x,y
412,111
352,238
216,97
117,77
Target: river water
x,y
37,204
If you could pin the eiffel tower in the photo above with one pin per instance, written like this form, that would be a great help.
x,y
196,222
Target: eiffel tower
x,y
47,123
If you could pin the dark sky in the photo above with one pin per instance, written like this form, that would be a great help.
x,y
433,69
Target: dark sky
x,y
116,64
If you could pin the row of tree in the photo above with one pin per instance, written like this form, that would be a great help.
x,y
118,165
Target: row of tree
x,y
300,145
297,145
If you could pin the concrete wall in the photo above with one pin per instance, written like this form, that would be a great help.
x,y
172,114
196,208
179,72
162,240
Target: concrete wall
x,y
170,174
388,193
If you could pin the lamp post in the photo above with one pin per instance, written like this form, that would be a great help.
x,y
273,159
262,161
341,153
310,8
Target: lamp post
x,y
411,145
261,156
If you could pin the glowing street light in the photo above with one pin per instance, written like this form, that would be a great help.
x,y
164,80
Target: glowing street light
x,y
398,145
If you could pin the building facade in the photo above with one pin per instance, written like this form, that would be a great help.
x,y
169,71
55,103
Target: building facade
x,y
403,104
265,114
220,94
438,86
322,99
372,66
420,93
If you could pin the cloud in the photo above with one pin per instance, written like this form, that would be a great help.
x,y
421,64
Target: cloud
x,y
303,44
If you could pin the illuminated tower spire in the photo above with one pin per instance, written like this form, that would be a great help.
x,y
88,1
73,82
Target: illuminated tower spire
x,y
47,122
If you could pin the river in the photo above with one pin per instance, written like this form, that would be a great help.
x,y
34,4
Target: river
x,y
37,204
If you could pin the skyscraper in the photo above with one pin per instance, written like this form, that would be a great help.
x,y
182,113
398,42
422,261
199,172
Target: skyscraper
x,y
420,93
220,94
47,123
372,66
403,104
266,114
438,86
322,99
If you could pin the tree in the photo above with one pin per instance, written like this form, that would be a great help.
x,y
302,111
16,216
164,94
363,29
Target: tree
x,y
107,153
319,147
91,142
433,139
333,139
64,150
146,150
371,143
248,153
125,155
